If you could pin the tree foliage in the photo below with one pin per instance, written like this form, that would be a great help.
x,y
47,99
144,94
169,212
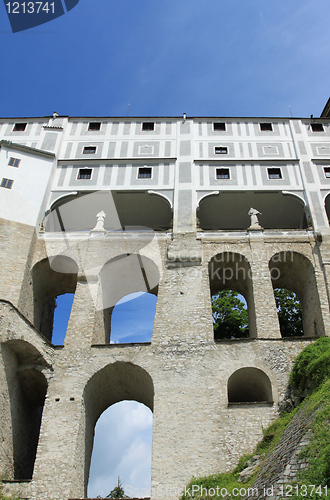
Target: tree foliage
x,y
118,491
289,313
230,317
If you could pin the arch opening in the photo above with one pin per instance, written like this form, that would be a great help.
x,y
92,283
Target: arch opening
x,y
119,278
231,273
125,210
327,206
52,279
122,448
132,318
294,272
27,388
289,313
230,315
119,381
249,385
229,210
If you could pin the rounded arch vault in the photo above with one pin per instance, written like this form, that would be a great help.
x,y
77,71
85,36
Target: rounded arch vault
x,y
115,382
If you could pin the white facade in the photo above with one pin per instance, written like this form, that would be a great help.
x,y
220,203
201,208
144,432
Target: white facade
x,y
193,164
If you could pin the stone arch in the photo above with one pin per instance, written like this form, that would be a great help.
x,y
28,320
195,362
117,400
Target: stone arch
x,y
249,385
26,388
232,271
51,277
121,276
294,271
128,210
228,210
327,206
115,382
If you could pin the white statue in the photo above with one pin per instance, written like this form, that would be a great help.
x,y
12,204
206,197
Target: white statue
x,y
100,222
253,213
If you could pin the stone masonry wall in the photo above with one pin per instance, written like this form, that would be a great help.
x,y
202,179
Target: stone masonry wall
x,y
182,374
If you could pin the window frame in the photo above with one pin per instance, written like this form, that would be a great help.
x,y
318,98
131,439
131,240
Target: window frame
x,y
84,178
144,177
317,125
89,147
91,126
13,163
272,176
7,183
222,178
222,127
143,129
266,127
223,150
18,127
326,170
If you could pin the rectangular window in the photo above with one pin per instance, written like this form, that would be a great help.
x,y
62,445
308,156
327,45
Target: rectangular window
x,y
274,173
89,150
14,162
144,173
222,173
266,126
7,183
221,150
148,125
327,172
85,173
94,126
219,126
317,127
19,127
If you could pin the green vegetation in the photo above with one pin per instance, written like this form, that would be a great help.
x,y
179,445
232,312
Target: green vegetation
x,y
230,316
289,313
117,492
312,371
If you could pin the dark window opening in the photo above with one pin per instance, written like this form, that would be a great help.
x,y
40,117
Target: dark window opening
x,y
327,172
219,126
19,127
85,173
289,313
317,127
14,162
222,173
274,173
7,183
145,173
266,127
148,125
221,150
89,150
94,126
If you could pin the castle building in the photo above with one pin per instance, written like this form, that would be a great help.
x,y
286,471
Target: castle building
x,y
178,207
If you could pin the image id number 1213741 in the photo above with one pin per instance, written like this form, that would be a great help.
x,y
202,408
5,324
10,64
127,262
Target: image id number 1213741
x,y
30,7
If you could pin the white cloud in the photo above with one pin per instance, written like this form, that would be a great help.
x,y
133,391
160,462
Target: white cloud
x,y
122,448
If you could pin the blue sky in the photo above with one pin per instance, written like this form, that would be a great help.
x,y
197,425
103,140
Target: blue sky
x,y
201,57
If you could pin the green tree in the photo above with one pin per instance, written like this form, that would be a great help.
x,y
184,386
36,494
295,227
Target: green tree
x,y
118,491
289,313
230,317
